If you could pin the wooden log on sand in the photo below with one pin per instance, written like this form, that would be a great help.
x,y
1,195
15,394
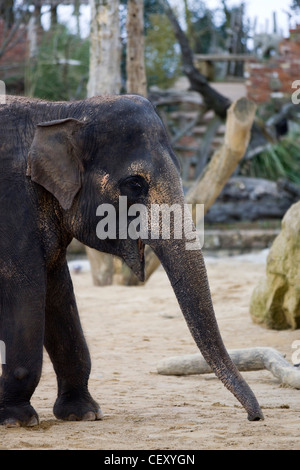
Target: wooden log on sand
x,y
247,359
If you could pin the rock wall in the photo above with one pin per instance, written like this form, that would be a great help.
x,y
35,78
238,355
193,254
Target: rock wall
x,y
251,199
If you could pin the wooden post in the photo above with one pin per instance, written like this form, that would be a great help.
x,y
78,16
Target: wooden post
x,y
135,62
105,48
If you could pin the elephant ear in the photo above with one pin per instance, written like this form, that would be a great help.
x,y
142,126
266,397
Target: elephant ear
x,y
54,159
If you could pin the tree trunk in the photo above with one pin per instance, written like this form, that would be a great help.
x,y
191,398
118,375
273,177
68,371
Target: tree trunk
x,y
104,78
7,12
76,13
30,74
135,63
105,51
38,14
53,14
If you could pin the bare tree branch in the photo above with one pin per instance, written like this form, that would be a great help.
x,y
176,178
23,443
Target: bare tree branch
x,y
212,98
260,137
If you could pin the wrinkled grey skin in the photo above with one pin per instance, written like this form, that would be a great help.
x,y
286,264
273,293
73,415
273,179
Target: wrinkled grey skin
x,y
59,162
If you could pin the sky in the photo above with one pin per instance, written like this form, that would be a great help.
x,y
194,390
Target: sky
x,y
262,10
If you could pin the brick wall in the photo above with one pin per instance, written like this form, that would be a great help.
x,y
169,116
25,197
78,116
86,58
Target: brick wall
x,y
276,74
12,62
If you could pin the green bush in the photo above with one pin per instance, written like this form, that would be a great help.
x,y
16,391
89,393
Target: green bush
x,y
162,56
280,160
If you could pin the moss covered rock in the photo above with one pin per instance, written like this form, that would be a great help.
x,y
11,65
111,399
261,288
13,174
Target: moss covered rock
x,y
275,302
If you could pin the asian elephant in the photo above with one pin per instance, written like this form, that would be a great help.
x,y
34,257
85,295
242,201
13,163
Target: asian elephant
x,y
59,162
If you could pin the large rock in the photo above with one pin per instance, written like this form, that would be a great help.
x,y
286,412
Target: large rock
x,y
251,199
275,302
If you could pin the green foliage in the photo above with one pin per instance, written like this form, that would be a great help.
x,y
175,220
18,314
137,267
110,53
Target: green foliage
x,y
162,57
202,31
281,160
207,28
52,75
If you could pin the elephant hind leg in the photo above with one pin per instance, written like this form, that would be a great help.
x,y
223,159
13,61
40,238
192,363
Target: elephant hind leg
x,y
22,333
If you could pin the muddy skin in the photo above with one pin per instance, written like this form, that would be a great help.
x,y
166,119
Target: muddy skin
x,y
58,162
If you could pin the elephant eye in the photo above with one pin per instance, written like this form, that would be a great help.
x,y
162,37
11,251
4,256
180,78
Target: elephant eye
x,y
133,187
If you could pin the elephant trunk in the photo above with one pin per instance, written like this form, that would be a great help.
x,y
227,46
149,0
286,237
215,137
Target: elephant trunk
x,y
187,273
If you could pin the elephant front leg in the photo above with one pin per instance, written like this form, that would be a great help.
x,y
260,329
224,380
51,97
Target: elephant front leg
x,y
22,333
66,346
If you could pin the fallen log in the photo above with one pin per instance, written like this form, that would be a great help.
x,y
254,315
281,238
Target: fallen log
x,y
247,359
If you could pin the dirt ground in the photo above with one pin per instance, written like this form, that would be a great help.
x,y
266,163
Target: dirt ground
x,y
129,330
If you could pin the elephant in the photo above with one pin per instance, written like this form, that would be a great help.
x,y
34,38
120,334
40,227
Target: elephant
x,y
60,161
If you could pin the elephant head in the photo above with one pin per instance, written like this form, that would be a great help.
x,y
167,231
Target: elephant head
x,y
113,152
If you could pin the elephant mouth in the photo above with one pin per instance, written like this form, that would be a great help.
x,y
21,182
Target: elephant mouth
x,y
141,253
141,250
134,257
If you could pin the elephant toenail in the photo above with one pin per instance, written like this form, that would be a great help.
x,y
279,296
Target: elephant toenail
x,y
12,423
99,414
89,416
33,421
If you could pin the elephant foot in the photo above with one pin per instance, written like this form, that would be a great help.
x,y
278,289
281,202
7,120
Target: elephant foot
x,y
17,416
77,409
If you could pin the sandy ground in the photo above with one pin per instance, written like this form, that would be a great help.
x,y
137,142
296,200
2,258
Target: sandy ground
x,y
129,330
